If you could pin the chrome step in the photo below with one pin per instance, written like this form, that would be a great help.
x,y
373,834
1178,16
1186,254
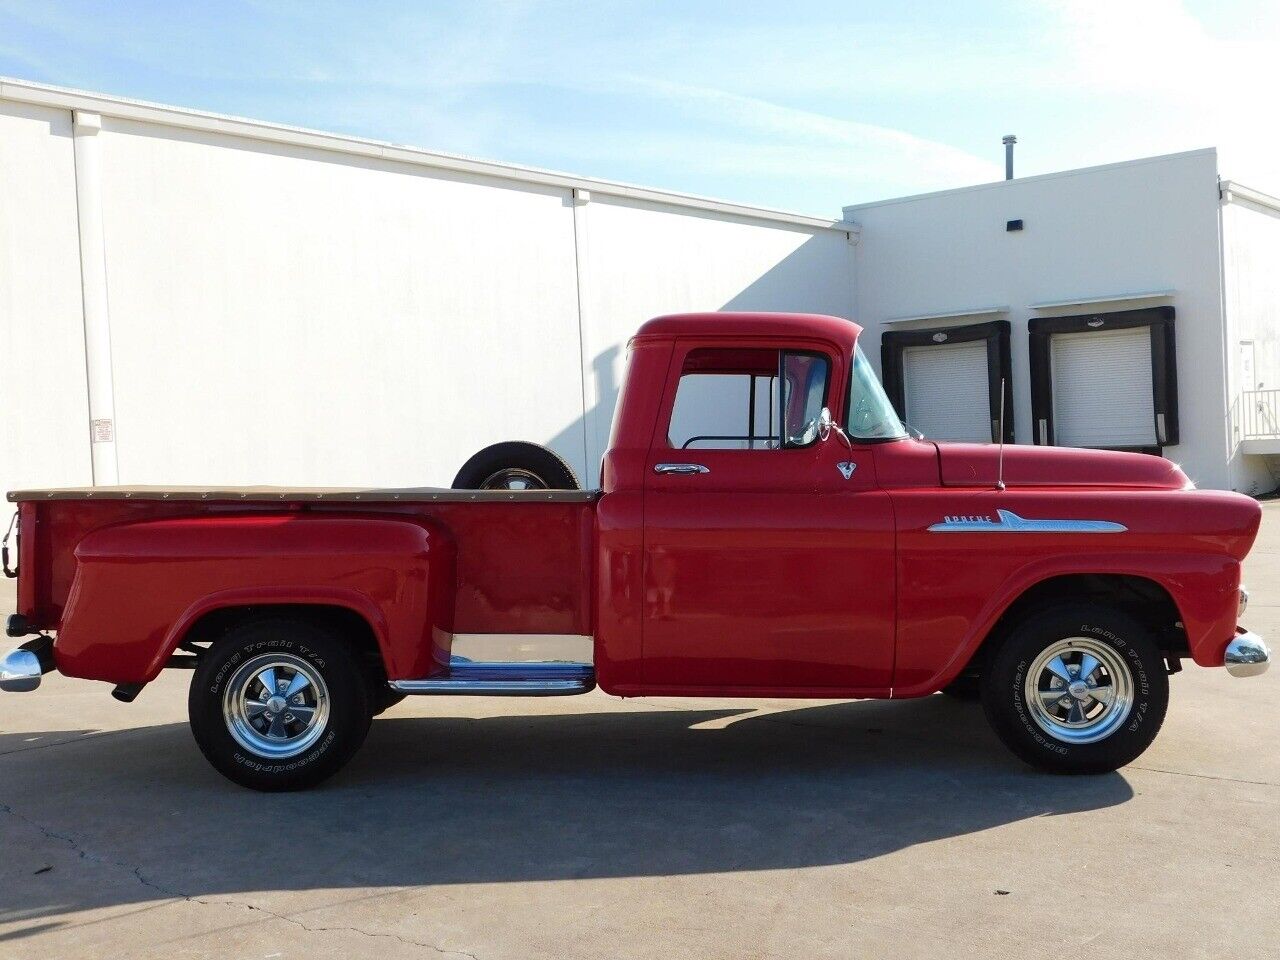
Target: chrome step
x,y
504,679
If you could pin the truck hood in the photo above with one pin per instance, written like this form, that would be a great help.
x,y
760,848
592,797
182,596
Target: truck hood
x,y
972,464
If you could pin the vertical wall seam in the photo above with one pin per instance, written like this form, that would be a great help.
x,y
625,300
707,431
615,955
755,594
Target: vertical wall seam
x,y
85,128
84,327
578,200
1225,329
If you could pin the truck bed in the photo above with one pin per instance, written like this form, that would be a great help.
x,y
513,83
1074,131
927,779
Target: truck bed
x,y
523,561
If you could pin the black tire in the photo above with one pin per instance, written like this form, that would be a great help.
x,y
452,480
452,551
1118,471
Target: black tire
x,y
384,702
500,466
383,699
1122,736
966,687
338,732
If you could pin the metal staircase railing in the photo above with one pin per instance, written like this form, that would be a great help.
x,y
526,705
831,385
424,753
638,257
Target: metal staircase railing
x,y
1257,415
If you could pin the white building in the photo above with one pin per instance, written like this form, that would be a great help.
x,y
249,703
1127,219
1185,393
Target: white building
x,y
1134,306
191,298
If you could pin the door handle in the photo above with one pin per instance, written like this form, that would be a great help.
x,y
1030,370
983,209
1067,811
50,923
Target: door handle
x,y
680,468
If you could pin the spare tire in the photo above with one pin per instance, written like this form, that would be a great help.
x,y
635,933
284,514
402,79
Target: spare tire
x,y
515,465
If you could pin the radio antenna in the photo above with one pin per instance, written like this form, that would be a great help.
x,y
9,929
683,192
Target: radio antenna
x,y
1000,462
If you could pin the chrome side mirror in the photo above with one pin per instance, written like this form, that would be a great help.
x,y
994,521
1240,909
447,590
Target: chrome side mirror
x,y
825,423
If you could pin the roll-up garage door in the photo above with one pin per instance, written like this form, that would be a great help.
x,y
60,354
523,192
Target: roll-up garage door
x,y
948,391
1102,389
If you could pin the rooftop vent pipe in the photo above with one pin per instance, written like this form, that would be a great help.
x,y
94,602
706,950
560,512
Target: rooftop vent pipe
x,y
1008,142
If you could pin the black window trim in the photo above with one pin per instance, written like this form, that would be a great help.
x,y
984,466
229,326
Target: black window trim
x,y
894,344
1164,368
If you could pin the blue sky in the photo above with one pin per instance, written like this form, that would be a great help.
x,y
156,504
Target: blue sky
x,y
800,105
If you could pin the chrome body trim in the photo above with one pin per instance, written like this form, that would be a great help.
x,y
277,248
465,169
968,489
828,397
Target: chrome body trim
x,y
680,468
1010,522
1243,603
20,671
504,679
1247,655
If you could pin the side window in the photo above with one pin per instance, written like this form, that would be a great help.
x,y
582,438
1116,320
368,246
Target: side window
x,y
729,399
804,391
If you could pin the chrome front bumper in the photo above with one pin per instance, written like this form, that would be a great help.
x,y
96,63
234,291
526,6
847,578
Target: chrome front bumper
x,y
21,669
1247,655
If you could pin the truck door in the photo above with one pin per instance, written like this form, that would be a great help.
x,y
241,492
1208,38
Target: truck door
x,y
768,551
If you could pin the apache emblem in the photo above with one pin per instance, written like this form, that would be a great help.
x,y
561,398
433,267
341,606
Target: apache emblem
x,y
1010,522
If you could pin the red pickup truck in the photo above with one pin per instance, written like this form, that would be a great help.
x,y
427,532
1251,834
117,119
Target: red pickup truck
x,y
790,539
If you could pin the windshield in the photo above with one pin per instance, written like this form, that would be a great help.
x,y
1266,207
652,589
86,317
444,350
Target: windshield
x,y
871,415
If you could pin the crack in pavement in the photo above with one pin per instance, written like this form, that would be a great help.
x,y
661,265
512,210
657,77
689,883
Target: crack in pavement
x,y
1201,776
177,895
88,735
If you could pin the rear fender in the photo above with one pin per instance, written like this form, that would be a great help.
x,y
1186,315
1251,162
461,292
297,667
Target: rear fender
x,y
138,587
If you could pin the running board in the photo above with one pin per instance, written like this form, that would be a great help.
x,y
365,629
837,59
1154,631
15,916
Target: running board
x,y
505,679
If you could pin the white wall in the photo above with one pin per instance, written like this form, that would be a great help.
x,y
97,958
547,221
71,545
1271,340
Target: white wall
x,y
1138,227
44,418
282,315
295,309
643,262
1251,278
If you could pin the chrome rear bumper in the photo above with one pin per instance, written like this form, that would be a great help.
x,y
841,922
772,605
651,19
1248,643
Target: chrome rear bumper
x,y
1247,655
21,669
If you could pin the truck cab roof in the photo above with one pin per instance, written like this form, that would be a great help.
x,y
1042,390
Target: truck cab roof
x,y
738,325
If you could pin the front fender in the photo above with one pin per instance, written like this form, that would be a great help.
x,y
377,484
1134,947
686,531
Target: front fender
x,y
956,580
138,587
1203,587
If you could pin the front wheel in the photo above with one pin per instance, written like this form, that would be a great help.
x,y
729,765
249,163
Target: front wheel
x,y
279,704
1077,688
967,688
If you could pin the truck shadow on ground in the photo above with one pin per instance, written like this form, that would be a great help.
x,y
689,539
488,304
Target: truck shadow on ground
x,y
449,800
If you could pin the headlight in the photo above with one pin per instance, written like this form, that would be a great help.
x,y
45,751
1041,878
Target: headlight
x,y
1244,602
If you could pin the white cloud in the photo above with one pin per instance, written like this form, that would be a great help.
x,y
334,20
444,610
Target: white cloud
x,y
1187,81
816,144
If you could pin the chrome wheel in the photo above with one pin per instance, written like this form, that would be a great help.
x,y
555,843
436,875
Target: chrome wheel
x,y
513,478
1079,690
276,705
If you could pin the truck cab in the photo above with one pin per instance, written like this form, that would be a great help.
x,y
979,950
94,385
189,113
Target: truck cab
x,y
768,550
766,527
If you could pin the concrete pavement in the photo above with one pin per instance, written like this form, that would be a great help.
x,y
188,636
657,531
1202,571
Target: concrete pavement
x,y
589,827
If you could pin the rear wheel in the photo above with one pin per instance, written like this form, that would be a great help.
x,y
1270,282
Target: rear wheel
x,y
279,704
1077,688
384,701
515,466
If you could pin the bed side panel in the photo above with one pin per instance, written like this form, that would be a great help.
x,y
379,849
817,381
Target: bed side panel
x,y
138,585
